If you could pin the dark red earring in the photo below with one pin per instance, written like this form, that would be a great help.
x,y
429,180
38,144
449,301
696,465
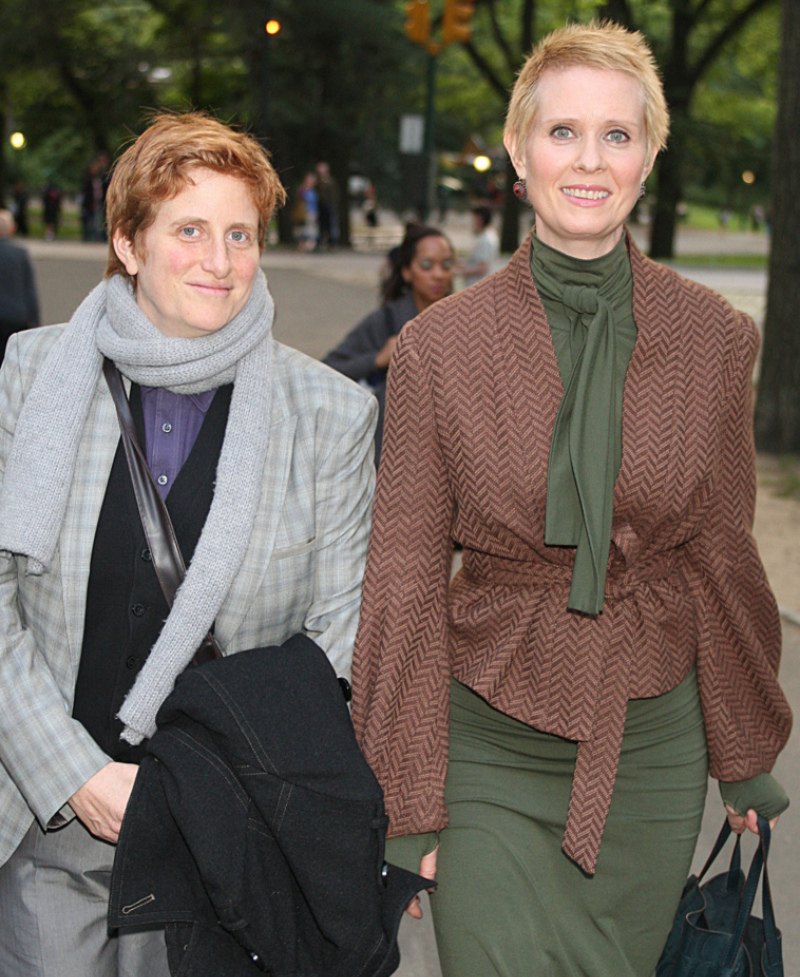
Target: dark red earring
x,y
520,190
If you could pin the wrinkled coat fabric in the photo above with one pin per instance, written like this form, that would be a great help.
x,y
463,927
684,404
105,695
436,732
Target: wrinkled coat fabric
x,y
255,832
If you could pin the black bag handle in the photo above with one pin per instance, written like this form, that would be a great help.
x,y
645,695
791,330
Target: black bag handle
x,y
719,844
748,898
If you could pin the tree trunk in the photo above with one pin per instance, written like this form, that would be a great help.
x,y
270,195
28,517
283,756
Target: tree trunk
x,y
340,171
509,234
778,409
3,170
669,184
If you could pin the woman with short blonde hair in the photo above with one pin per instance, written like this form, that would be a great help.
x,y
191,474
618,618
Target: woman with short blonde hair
x,y
580,422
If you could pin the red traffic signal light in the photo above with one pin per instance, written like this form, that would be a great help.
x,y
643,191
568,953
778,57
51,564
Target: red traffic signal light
x,y
418,21
456,20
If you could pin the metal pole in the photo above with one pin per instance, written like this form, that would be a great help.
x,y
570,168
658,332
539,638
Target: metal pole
x,y
429,147
265,83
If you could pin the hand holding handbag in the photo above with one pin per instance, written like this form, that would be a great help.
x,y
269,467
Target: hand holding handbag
x,y
714,934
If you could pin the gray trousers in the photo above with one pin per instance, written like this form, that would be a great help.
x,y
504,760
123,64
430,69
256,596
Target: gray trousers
x,y
53,903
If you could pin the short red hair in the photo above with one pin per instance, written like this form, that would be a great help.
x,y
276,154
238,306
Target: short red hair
x,y
159,164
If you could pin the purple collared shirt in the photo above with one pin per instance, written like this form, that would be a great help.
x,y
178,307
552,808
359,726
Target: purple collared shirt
x,y
171,425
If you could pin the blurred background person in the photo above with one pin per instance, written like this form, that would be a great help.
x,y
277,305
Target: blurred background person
x,y
485,251
51,209
19,304
327,208
420,273
93,199
20,208
305,213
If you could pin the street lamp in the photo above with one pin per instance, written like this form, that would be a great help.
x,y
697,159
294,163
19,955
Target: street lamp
x,y
17,140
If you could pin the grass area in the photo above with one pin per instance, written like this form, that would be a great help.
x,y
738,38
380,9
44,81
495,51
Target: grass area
x,y
788,482
69,228
706,218
784,476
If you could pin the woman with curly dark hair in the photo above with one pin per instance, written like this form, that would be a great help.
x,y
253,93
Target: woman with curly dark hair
x,y
420,273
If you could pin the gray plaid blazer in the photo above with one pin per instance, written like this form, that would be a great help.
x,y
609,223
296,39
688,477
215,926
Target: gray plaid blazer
x,y
302,570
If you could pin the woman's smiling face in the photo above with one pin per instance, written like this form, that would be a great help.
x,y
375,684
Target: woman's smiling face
x,y
196,263
585,157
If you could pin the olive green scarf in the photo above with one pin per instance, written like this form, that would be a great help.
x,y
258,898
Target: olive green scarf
x,y
589,306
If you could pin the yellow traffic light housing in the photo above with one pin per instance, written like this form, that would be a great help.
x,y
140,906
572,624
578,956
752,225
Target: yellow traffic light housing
x,y
456,21
418,21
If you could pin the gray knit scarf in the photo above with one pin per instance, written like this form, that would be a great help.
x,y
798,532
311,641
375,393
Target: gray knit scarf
x,y
40,468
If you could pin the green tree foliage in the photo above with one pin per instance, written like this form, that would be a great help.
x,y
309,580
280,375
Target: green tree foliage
x,y
688,37
714,56
323,88
78,76
73,79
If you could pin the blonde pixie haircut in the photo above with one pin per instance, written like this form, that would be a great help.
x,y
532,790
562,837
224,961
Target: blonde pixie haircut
x,y
159,164
605,46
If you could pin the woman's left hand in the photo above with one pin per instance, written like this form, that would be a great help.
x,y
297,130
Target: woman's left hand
x,y
427,869
738,823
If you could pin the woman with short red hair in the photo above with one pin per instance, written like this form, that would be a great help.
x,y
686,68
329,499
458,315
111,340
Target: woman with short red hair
x,y
264,460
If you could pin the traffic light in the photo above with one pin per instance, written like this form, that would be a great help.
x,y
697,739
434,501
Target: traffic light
x,y
456,20
418,21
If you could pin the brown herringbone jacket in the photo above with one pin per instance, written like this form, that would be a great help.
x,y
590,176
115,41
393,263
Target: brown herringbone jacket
x,y
473,394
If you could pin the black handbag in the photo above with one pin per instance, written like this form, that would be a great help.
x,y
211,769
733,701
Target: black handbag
x,y
714,933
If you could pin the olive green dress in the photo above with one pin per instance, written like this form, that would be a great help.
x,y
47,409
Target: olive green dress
x,y
510,903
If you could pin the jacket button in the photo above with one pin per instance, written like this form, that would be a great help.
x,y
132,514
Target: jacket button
x,y
130,661
138,610
146,555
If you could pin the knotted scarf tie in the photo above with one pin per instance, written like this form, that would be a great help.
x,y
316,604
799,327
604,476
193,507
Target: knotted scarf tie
x,y
585,451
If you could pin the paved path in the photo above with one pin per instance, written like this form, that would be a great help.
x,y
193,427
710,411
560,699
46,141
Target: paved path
x,y
318,298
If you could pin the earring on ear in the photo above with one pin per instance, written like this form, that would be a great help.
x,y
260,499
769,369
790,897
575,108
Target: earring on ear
x,y
520,190
642,191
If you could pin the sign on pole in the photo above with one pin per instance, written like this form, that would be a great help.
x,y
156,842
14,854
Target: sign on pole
x,y
412,131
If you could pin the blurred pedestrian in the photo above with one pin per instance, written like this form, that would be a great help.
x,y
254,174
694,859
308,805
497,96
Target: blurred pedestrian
x,y
51,209
93,199
421,273
485,251
371,205
20,208
581,422
19,305
305,213
327,208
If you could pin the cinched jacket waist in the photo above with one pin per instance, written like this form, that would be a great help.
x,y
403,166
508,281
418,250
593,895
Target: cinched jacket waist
x,y
510,630
620,584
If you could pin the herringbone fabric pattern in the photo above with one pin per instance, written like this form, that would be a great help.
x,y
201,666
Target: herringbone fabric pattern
x,y
473,394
